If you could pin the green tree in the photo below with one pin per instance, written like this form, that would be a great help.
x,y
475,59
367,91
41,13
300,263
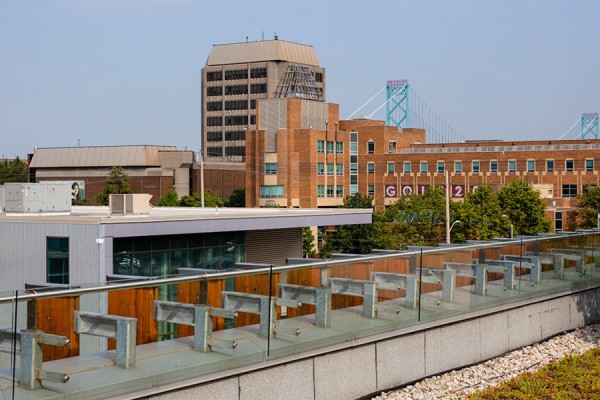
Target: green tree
x,y
169,199
354,239
13,171
481,216
524,208
308,240
589,207
117,182
195,200
237,199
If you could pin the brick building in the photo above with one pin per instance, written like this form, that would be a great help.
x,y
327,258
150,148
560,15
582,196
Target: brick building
x,y
307,160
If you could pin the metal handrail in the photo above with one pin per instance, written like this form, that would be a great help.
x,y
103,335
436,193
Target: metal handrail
x,y
25,295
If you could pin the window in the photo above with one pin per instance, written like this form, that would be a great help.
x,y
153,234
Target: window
x,y
558,221
569,165
424,167
339,169
57,260
530,165
214,106
214,121
258,73
589,165
371,168
318,76
236,74
339,147
235,120
371,148
475,167
330,169
270,168
236,105
320,168
339,191
214,151
512,166
569,190
257,88
236,89
214,136
440,167
235,151
549,165
235,135
320,146
214,76
330,191
214,91
406,167
371,190
320,191
330,147
391,147
271,191
391,168
494,166
458,166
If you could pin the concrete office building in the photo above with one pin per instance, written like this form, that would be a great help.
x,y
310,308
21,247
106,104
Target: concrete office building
x,y
237,75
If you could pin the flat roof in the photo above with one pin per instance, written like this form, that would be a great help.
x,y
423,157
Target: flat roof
x,y
264,50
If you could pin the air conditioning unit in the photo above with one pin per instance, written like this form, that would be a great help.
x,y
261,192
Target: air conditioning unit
x,y
129,204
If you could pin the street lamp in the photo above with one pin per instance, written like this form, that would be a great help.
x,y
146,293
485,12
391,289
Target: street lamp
x,y
511,225
450,230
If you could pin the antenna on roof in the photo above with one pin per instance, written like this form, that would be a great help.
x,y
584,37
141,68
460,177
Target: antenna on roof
x,y
263,34
276,37
246,39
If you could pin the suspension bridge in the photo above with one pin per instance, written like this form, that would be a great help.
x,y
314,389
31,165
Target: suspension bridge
x,y
404,108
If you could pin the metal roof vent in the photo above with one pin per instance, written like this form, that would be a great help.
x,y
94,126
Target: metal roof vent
x,y
129,204
44,198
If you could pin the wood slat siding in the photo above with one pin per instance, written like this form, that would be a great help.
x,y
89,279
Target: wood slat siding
x,y
273,246
136,303
57,316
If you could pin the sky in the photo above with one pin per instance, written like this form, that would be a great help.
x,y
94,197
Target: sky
x,y
119,72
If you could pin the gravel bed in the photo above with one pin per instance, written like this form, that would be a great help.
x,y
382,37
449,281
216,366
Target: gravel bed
x,y
492,372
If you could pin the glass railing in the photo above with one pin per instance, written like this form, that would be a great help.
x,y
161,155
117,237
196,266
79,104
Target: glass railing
x,y
216,320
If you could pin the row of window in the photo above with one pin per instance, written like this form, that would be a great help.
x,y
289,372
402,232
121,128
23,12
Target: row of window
x,y
214,151
332,191
331,168
270,191
213,76
232,135
332,147
214,136
231,120
493,166
230,105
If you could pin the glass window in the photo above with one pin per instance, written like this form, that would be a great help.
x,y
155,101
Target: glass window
x,y
493,166
270,168
371,190
353,148
320,146
320,191
475,167
330,169
391,168
406,167
57,260
330,147
569,190
339,191
320,168
530,165
440,167
354,136
424,167
339,147
371,168
569,165
271,191
550,165
458,166
339,169
391,147
589,165
330,191
371,147
512,166
558,221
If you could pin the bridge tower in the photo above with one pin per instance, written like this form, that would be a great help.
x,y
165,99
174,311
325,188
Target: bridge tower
x,y
589,125
397,102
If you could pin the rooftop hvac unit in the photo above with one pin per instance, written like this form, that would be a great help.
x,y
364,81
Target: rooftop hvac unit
x,y
36,198
129,204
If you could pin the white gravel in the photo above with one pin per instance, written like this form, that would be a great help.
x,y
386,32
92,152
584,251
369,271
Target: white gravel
x,y
490,373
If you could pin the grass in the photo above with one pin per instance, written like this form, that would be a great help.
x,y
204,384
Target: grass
x,y
574,377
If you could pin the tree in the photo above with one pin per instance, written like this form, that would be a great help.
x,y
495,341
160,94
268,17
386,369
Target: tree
x,y
195,200
524,208
308,242
354,239
237,199
481,216
117,182
589,207
13,171
169,199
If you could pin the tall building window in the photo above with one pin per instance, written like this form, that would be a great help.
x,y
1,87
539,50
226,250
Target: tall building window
x,y
236,89
214,136
330,191
441,167
569,165
475,167
318,76
353,163
371,190
339,169
391,147
214,91
424,167
589,165
57,260
320,168
271,191
214,106
458,166
214,76
493,166
258,88
339,147
214,121
270,168
330,148
391,168
558,221
258,73
236,104
512,166
339,191
320,191
549,165
371,168
530,165
569,190
236,74
370,147
330,169
320,146
406,167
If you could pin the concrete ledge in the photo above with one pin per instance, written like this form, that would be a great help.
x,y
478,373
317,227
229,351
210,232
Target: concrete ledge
x,y
524,326
223,389
400,360
293,381
493,338
452,346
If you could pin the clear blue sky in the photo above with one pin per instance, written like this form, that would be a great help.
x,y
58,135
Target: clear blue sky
x,y
112,72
